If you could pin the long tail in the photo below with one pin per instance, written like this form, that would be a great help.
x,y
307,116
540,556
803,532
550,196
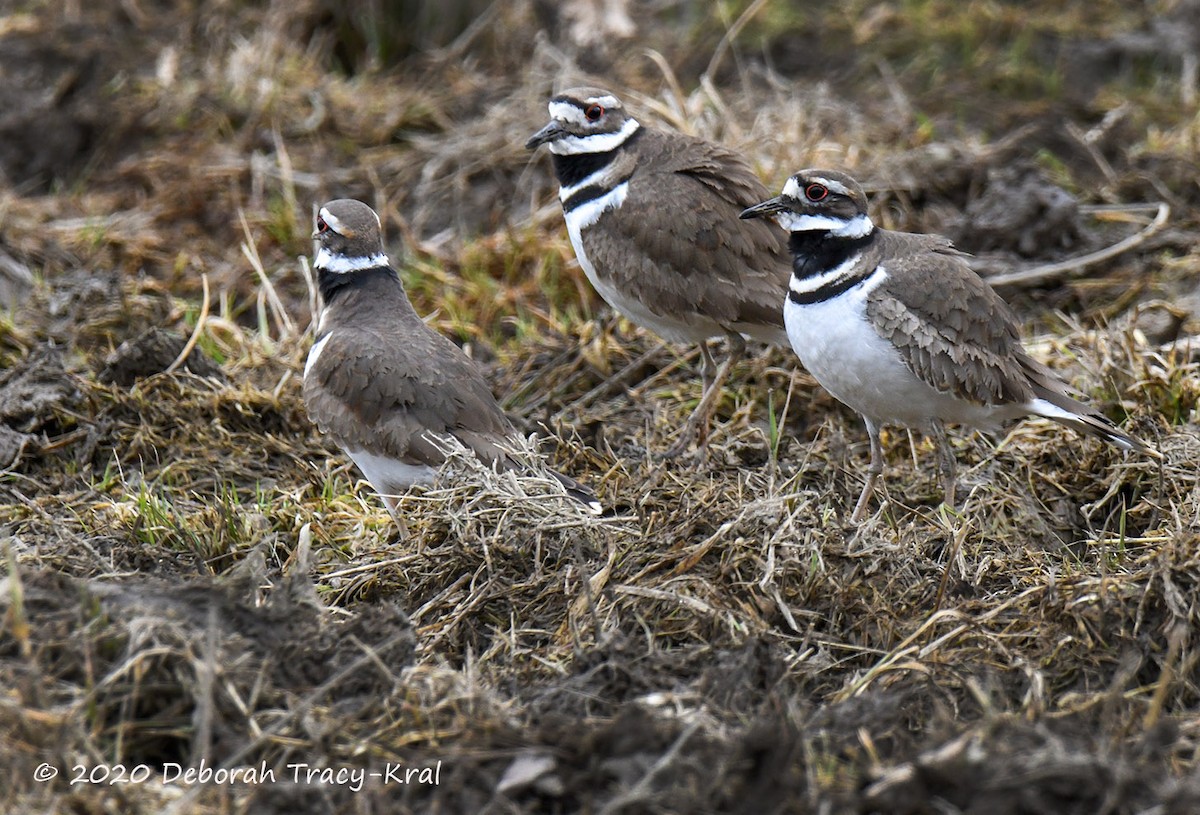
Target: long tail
x,y
1052,400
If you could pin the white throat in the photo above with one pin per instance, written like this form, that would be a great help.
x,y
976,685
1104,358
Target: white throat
x,y
327,261
857,227
595,143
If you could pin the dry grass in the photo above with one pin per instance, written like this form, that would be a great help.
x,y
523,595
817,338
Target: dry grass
x,y
193,573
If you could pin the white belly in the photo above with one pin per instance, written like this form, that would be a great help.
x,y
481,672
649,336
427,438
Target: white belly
x,y
864,371
389,476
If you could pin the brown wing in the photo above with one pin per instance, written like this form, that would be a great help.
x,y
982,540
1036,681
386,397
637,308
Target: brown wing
x,y
693,191
951,328
385,391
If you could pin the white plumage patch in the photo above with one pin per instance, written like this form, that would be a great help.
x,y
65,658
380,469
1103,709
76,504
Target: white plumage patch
x,y
568,112
842,350
388,474
808,285
791,187
341,264
314,354
335,223
589,212
1042,407
584,216
595,142
599,178
837,344
856,227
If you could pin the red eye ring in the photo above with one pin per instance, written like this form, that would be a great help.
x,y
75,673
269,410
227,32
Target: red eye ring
x,y
816,192
594,112
321,225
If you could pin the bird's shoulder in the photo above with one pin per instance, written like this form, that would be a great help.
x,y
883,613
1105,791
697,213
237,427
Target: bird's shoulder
x,y
380,372
949,325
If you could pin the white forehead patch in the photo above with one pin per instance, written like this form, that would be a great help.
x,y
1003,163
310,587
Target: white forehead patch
x,y
566,112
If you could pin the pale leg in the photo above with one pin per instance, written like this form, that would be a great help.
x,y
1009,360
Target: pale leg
x,y
873,472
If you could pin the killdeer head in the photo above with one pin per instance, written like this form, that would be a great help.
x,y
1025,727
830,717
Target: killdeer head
x,y
387,388
651,216
898,327
821,201
348,236
584,120
349,256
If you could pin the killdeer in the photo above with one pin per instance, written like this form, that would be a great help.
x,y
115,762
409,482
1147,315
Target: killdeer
x,y
688,272
389,389
898,327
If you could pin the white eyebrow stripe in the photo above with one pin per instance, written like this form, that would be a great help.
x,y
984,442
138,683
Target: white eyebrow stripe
x,y
574,112
791,187
833,186
607,102
334,222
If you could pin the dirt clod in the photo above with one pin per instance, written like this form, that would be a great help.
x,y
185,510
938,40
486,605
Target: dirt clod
x,y
152,352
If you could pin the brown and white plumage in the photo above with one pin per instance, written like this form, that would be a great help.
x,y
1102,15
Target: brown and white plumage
x,y
900,328
388,389
652,217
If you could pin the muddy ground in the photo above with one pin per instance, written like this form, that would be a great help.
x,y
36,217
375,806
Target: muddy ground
x,y
196,582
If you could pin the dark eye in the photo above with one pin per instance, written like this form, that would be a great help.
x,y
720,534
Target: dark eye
x,y
593,113
816,192
321,225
